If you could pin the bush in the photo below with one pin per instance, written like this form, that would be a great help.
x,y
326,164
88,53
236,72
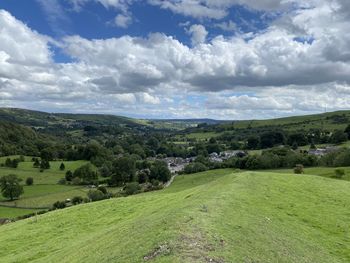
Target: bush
x,y
102,189
299,169
195,168
339,173
95,195
69,175
76,181
29,181
62,181
77,200
132,188
62,167
59,205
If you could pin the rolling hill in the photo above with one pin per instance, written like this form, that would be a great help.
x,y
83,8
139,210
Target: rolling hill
x,y
216,216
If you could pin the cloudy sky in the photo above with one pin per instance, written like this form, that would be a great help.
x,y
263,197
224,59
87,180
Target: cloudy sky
x,y
222,59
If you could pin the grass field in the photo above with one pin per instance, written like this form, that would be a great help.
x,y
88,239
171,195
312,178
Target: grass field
x,y
216,216
45,190
6,212
321,171
50,176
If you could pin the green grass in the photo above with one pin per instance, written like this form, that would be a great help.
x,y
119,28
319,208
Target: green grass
x,y
202,135
50,176
6,212
218,215
321,171
43,196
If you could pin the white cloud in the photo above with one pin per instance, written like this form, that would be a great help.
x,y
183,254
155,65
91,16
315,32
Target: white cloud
x,y
226,26
198,34
129,75
123,20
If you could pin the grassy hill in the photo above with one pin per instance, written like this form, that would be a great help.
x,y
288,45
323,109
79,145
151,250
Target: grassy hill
x,y
216,216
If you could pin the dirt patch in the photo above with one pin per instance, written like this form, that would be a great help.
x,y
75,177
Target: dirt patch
x,y
195,248
163,249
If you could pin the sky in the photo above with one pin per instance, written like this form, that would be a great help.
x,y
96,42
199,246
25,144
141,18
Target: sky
x,y
221,59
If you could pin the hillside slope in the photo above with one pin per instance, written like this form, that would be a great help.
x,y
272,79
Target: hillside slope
x,y
216,216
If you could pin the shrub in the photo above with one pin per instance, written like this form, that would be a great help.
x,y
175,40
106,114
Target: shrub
x,y
339,173
29,181
69,175
76,181
102,189
62,167
59,205
132,188
77,200
62,181
95,195
195,168
299,169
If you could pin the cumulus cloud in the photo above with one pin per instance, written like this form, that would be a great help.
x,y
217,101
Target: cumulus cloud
x,y
276,72
123,20
198,34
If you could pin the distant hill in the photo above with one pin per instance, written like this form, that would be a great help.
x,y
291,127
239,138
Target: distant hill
x,y
44,119
216,216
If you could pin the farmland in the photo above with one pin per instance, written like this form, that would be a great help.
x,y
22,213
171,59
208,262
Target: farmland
x,y
199,218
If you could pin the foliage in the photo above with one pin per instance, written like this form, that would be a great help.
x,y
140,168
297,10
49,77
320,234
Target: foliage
x,y
132,188
339,173
29,181
299,169
95,195
59,205
77,200
86,173
160,171
62,167
10,186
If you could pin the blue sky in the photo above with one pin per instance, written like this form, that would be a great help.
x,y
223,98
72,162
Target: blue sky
x,y
224,59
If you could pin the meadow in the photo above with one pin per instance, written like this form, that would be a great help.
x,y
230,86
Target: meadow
x,y
214,216
45,190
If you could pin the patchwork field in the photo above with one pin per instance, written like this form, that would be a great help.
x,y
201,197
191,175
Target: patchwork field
x,y
215,216
45,190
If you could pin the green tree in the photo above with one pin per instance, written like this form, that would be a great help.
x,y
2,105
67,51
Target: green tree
x,y
62,167
69,175
339,173
124,170
44,164
77,200
29,181
95,195
86,173
132,188
160,171
10,186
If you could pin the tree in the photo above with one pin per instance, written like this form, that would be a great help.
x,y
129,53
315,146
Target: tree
x,y
29,181
347,131
160,171
59,205
339,136
44,164
299,169
124,170
95,195
69,175
86,173
77,200
253,142
10,186
62,167
132,188
339,173
36,163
